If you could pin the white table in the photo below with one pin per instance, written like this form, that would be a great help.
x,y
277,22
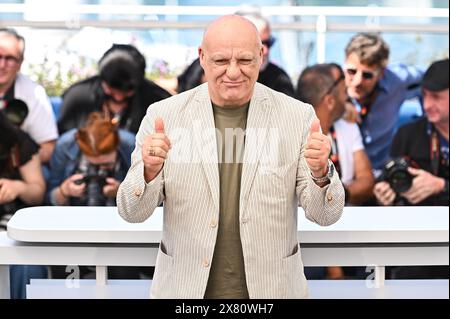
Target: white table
x,y
318,289
365,236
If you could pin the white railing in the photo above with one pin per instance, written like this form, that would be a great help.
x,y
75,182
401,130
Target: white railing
x,y
149,18
221,10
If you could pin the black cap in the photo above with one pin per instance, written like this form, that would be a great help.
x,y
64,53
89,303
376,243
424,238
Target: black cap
x,y
436,77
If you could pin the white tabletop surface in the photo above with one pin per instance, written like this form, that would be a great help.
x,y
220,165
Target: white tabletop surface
x,y
318,289
104,225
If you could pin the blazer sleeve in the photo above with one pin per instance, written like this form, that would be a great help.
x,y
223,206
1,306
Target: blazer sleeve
x,y
322,206
136,199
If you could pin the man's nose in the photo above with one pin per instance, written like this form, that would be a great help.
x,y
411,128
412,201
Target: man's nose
x,y
233,70
357,78
119,97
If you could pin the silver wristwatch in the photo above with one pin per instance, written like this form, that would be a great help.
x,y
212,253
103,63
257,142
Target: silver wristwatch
x,y
327,177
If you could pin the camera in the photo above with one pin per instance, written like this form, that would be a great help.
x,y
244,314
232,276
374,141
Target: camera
x,y
15,111
395,172
95,180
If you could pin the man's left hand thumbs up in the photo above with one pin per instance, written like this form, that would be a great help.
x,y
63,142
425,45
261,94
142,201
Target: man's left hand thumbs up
x,y
317,151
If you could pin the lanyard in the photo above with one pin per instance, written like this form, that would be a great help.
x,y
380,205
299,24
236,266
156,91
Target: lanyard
x,y
434,152
334,155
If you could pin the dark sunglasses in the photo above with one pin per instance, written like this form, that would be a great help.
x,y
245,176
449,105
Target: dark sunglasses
x,y
269,42
335,83
333,86
366,75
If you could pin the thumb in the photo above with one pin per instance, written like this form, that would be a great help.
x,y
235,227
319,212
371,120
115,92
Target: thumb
x,y
414,171
159,125
315,126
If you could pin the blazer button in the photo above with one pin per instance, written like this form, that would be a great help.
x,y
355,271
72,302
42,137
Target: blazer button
x,y
205,263
329,198
137,192
213,223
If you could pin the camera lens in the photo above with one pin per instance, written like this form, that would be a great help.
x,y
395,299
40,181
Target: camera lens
x,y
396,174
400,181
94,193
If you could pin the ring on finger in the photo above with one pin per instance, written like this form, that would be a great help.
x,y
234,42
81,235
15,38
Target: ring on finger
x,y
151,151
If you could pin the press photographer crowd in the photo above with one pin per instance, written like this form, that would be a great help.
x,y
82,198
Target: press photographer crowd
x,y
80,156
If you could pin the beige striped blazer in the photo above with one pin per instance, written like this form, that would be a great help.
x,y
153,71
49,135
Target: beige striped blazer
x,y
275,179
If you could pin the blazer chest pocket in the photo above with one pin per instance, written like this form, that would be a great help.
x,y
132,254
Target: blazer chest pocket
x,y
275,182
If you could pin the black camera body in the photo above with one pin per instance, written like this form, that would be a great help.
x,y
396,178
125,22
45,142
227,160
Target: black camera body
x,y
396,173
15,111
95,180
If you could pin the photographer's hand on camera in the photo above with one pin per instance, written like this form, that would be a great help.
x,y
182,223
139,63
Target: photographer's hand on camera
x,y
154,151
423,186
111,187
384,193
70,188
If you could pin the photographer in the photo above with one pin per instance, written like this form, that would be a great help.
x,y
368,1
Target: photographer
x,y
378,90
425,144
21,180
86,169
21,185
40,122
88,164
119,91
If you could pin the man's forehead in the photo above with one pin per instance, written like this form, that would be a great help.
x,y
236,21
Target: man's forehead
x,y
8,42
231,52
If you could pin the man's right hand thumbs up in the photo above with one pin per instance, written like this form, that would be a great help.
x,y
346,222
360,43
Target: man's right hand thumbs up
x,y
154,151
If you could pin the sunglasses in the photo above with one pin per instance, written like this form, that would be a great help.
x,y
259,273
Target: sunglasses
x,y
366,75
333,86
269,42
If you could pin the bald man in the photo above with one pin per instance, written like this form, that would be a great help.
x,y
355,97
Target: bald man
x,y
231,160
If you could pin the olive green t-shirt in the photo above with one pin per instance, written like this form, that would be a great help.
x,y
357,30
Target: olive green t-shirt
x,y
227,273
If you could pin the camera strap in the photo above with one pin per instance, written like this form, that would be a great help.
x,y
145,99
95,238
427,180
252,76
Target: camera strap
x,y
434,151
334,155
365,107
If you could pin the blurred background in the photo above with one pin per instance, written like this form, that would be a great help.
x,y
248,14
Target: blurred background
x,y
65,39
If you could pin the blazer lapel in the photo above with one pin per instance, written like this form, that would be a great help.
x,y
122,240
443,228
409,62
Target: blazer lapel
x,y
257,131
204,138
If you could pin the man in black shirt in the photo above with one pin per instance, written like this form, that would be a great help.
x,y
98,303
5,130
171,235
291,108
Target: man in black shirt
x,y
120,91
270,74
425,144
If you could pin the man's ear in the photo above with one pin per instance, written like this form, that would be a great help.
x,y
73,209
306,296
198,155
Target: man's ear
x,y
330,102
201,55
